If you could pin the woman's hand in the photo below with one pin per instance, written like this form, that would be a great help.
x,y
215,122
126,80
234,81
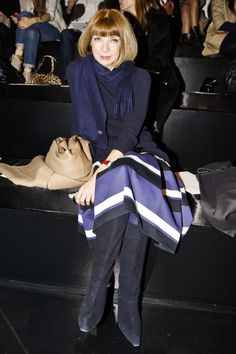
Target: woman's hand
x,y
15,18
26,22
4,19
86,193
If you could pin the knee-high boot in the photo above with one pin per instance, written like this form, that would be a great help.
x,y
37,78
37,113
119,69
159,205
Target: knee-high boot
x,y
108,242
132,258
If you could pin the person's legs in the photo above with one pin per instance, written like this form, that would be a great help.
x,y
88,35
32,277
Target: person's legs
x,y
27,41
194,16
132,258
109,238
194,12
186,23
39,32
34,34
17,58
69,39
31,41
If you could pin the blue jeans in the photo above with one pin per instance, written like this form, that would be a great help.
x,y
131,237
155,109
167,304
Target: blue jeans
x,y
29,38
69,40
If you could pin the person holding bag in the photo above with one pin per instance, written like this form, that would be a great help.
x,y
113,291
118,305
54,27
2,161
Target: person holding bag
x,y
110,96
39,21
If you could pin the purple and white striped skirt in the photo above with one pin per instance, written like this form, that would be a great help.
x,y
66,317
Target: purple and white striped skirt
x,y
144,186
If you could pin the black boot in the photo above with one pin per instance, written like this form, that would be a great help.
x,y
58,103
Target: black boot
x,y
92,307
131,267
185,39
108,242
197,38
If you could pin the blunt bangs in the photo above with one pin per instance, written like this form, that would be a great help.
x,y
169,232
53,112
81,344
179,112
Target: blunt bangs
x,y
105,27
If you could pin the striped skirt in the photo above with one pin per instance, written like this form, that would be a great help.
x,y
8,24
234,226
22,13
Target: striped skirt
x,y
144,186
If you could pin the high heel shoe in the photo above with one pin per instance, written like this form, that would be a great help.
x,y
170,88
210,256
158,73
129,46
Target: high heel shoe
x,y
92,307
197,37
28,77
16,62
185,39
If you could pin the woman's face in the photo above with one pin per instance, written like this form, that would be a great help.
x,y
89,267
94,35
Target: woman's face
x,y
127,5
106,50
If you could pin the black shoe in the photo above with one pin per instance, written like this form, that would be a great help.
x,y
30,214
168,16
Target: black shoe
x,y
197,37
185,39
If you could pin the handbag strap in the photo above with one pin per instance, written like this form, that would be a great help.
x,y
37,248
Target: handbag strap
x,y
53,60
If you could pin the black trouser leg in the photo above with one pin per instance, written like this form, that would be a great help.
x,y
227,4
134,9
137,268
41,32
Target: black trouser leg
x,y
108,242
132,258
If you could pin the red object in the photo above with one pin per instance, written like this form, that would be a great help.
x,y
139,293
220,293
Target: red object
x,y
106,162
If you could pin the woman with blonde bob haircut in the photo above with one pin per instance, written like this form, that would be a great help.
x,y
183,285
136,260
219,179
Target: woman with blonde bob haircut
x,y
110,96
110,23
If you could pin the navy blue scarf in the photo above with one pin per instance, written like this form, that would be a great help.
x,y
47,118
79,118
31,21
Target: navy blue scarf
x,y
90,116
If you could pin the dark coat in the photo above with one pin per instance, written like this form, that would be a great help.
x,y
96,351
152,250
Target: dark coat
x,y
7,35
155,55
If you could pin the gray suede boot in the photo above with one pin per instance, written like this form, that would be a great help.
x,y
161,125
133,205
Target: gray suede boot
x,y
132,258
108,242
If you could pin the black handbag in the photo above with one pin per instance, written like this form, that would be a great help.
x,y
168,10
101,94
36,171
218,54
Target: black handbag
x,y
217,182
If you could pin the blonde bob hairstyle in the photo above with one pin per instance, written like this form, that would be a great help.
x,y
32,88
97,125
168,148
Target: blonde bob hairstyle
x,y
110,23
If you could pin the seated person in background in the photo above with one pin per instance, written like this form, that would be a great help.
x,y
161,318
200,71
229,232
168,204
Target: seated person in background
x,y
39,21
110,96
70,36
190,14
77,14
221,33
155,50
72,9
7,27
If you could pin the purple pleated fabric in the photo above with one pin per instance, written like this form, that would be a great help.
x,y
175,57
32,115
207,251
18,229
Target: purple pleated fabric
x,y
144,186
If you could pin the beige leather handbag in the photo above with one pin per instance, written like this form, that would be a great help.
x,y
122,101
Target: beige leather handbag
x,y
68,164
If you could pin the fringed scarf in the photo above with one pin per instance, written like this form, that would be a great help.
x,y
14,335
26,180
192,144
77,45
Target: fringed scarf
x,y
90,116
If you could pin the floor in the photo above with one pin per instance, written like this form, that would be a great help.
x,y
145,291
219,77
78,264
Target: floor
x,y
36,323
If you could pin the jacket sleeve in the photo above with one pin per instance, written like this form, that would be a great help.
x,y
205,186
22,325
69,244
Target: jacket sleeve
x,y
133,122
218,13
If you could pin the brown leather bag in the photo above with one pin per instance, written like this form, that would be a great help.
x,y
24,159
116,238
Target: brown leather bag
x,y
68,164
